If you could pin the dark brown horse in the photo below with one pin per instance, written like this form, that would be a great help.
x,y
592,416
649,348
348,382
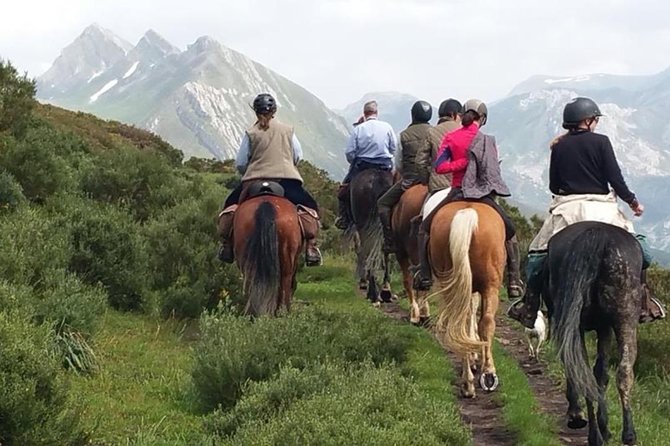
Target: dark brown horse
x,y
467,255
268,243
407,254
365,189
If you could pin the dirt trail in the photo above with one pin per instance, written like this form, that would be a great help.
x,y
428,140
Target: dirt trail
x,y
483,413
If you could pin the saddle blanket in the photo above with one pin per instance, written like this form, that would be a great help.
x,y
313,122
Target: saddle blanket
x,y
434,202
569,209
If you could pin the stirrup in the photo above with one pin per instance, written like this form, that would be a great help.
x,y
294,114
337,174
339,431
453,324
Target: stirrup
x,y
421,283
650,317
315,260
516,290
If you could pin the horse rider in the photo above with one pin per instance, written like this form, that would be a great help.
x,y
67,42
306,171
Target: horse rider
x,y
479,180
415,142
270,150
371,145
449,119
582,169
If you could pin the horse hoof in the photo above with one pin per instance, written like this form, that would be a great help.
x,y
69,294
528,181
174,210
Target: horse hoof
x,y
489,382
577,421
468,393
386,296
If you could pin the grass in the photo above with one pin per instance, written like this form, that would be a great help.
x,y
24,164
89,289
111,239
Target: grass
x,y
141,393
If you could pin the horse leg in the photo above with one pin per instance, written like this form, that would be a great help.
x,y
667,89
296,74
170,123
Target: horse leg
x,y
487,326
360,270
626,335
372,295
407,284
385,294
467,378
424,307
602,378
595,437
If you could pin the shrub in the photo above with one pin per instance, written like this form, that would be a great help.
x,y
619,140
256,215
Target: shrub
x,y
31,245
334,404
11,193
107,249
182,245
16,99
234,350
34,406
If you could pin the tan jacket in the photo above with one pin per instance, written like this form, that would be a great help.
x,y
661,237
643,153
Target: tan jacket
x,y
271,153
440,181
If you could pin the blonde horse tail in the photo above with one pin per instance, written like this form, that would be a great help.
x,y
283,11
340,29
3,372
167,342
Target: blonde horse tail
x,y
456,304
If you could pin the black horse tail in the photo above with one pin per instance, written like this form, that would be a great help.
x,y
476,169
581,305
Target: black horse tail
x,y
261,268
578,272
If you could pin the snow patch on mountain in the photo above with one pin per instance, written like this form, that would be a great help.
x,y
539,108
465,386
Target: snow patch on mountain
x,y
131,70
108,86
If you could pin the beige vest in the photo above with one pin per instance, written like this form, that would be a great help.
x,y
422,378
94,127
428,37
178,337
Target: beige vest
x,y
271,153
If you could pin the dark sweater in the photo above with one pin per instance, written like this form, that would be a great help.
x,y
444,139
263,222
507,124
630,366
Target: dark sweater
x,y
584,163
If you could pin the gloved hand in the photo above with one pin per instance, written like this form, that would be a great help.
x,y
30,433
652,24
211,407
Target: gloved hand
x,y
637,208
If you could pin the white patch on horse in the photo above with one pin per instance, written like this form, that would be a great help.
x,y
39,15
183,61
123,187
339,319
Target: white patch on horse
x,y
536,335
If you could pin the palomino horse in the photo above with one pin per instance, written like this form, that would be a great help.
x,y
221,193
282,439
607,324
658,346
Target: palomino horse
x,y
467,255
268,243
407,254
592,282
365,189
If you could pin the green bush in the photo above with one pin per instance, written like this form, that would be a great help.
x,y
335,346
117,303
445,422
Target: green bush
x,y
34,404
16,99
11,193
182,246
334,404
144,182
31,245
36,164
107,249
234,350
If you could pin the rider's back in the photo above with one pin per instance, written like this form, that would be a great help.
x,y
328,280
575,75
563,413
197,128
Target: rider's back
x,y
373,141
584,163
271,154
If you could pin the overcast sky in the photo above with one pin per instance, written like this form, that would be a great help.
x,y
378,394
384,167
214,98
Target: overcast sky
x,y
341,49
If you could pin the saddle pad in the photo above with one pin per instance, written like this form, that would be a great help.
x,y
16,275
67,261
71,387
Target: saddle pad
x,y
434,202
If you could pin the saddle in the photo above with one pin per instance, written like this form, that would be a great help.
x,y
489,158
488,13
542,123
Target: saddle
x,y
263,187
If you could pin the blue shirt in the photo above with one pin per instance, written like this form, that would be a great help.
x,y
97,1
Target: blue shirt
x,y
244,153
371,141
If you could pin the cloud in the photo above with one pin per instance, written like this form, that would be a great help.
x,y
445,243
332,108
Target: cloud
x,y
341,49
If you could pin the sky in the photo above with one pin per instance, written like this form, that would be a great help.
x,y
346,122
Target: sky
x,y
342,49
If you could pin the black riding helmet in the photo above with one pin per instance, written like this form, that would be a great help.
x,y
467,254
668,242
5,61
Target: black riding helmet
x,y
264,104
578,110
421,111
449,107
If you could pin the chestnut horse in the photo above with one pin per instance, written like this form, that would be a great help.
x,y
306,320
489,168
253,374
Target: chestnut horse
x,y
267,243
467,256
407,254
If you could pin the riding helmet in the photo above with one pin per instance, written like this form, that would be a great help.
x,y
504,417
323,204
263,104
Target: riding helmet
x,y
478,107
264,104
449,107
421,111
578,110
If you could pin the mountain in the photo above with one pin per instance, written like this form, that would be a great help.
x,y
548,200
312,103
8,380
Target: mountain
x,y
394,108
197,99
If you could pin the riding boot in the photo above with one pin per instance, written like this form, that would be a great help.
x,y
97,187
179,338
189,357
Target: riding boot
x,y
309,225
423,277
225,231
652,308
385,218
525,310
515,287
343,220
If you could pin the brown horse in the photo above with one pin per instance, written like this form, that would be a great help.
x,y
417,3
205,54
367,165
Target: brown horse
x,y
467,254
268,243
407,254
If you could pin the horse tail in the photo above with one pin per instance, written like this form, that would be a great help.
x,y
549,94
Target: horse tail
x,y
262,273
578,273
456,308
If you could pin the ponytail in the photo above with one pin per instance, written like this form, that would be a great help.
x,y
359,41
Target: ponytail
x,y
469,117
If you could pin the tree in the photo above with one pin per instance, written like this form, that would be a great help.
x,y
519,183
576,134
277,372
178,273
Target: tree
x,y
16,99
